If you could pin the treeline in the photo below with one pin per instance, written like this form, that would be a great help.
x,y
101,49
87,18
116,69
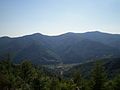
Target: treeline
x,y
26,76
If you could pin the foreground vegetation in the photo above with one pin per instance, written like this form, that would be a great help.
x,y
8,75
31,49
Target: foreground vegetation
x,y
26,76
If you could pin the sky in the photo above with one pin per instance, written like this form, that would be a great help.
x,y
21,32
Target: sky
x,y
54,17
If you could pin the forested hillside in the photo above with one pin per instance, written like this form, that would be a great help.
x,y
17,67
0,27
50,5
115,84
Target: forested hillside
x,y
26,76
111,66
66,48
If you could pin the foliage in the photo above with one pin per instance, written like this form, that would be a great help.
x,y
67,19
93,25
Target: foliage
x,y
98,77
26,76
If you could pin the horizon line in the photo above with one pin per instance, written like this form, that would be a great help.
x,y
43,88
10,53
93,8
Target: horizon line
x,y
58,34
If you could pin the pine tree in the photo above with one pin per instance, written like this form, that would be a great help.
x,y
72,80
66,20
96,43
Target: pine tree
x,y
98,77
117,82
54,85
27,71
78,80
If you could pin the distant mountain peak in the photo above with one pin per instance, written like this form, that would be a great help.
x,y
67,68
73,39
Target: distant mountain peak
x,y
6,37
68,34
37,34
94,32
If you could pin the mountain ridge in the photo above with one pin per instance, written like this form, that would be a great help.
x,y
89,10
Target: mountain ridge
x,y
68,48
5,36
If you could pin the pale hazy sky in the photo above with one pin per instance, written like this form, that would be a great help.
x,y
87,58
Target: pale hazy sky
x,y
53,17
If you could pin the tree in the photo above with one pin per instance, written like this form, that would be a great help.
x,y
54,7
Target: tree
x,y
27,72
38,84
78,80
117,82
109,85
54,85
98,77
6,72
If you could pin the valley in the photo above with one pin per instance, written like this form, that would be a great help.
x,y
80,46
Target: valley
x,y
67,48
71,61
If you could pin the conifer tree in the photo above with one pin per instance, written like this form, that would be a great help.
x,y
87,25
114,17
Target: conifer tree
x,y
78,80
98,77
117,82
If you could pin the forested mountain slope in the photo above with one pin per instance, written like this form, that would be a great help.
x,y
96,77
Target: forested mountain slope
x,y
66,48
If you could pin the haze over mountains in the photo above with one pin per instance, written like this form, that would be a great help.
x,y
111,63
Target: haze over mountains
x,y
65,48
